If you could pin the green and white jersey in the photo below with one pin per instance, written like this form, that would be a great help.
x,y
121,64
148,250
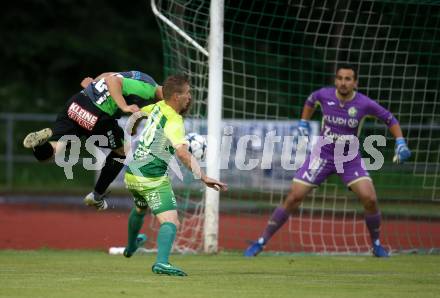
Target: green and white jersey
x,y
100,96
163,132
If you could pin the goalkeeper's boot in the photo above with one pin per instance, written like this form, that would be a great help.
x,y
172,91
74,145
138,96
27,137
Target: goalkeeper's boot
x,y
168,269
140,241
380,252
37,138
96,200
255,248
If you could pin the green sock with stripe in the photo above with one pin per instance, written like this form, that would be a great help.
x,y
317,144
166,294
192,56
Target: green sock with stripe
x,y
135,222
165,240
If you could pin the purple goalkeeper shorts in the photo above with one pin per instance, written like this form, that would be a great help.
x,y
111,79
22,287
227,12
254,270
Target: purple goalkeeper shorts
x,y
316,171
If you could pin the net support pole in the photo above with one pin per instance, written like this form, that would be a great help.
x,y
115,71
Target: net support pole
x,y
215,103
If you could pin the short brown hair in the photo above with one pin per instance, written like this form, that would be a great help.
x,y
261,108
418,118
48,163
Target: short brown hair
x,y
348,66
174,84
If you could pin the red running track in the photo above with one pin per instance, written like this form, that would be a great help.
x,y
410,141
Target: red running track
x,y
33,227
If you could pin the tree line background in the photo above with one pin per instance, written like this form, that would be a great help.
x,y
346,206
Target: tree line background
x,y
49,46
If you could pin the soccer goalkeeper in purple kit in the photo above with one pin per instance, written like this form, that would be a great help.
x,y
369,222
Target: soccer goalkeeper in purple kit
x,y
343,110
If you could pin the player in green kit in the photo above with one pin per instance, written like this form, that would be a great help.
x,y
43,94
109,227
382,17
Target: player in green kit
x,y
92,112
147,178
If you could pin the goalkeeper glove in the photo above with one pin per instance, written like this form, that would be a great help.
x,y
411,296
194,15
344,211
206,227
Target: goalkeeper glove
x,y
401,151
303,128
303,131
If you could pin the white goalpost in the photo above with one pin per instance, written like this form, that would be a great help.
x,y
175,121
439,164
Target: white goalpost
x,y
214,113
215,104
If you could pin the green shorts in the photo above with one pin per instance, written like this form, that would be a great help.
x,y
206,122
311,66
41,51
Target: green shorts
x,y
156,194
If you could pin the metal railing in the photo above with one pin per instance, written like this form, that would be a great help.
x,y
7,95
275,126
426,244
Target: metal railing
x,y
9,156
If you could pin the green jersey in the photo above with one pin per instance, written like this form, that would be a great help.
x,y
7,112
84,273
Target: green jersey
x,y
163,132
100,96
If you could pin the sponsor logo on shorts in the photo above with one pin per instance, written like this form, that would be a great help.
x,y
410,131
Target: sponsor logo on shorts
x,y
153,199
315,167
141,203
81,116
173,200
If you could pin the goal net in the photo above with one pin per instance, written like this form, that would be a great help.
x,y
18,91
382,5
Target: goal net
x,y
275,54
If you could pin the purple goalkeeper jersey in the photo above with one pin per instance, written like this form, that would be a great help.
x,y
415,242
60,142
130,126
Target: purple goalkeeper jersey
x,y
346,119
339,121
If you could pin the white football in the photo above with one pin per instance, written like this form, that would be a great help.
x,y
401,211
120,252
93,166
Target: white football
x,y
197,145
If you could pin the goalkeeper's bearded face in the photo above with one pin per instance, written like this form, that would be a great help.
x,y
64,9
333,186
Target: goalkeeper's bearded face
x,y
345,81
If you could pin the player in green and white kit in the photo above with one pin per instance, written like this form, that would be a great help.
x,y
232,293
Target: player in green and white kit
x,y
93,111
147,178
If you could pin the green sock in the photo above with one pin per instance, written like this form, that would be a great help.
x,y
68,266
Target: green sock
x,y
135,222
165,239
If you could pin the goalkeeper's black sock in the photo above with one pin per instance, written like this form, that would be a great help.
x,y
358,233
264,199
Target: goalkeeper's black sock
x,y
109,172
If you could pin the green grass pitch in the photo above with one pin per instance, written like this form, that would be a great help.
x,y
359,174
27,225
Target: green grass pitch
x,y
47,273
